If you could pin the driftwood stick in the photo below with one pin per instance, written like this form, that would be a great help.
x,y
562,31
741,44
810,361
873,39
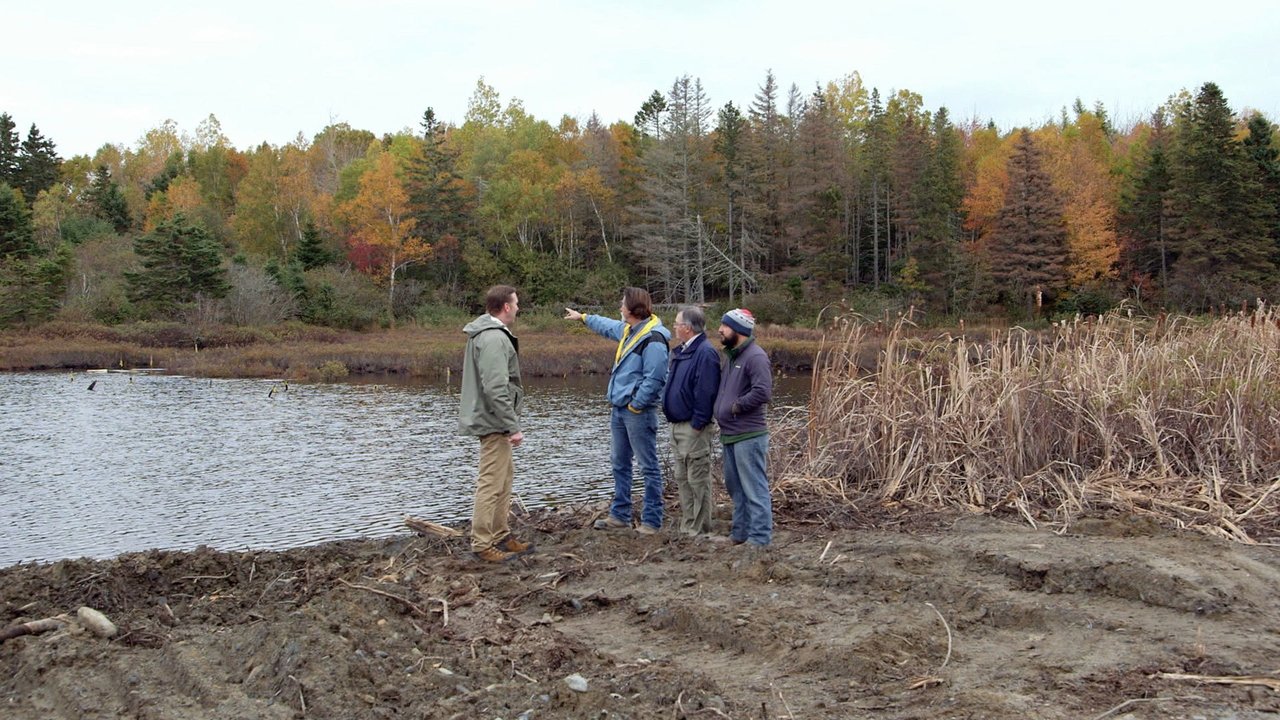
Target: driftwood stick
x,y
426,527
34,627
1263,680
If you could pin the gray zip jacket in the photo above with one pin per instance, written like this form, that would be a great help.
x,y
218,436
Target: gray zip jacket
x,y
491,390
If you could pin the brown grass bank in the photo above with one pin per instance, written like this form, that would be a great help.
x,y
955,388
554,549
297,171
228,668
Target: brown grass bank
x,y
1173,419
315,353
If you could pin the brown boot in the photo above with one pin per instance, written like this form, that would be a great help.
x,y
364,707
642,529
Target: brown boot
x,y
494,555
512,545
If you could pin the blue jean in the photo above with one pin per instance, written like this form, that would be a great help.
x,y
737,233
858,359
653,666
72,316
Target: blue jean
x,y
636,434
746,465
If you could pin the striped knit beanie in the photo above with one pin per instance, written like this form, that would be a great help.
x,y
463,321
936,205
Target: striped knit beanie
x,y
740,320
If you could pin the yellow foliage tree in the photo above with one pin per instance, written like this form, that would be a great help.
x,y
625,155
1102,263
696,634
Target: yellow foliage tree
x,y
382,238
1079,161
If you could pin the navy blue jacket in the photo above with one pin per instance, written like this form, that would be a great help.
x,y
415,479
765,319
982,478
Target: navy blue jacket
x,y
693,377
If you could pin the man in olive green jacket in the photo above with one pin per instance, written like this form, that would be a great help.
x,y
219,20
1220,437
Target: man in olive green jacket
x,y
490,410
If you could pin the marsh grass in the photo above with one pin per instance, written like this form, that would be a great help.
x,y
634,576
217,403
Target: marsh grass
x,y
549,347
1173,418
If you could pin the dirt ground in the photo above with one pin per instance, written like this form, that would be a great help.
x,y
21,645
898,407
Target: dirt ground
x,y
855,617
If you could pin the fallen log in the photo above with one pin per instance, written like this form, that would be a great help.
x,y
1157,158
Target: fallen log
x,y
35,627
426,527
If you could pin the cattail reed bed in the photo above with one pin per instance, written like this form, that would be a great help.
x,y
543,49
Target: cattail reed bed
x,y
1172,418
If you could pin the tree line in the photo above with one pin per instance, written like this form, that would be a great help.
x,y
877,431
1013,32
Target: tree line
x,y
791,203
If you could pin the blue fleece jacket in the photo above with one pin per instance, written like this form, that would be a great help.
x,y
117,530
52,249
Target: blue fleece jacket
x,y
638,377
692,380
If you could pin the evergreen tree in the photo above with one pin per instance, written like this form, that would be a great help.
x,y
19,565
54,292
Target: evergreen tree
x,y
1262,152
38,164
1028,247
670,217
17,236
1142,220
764,163
435,187
31,287
311,251
107,201
938,199
650,116
1221,220
9,147
181,263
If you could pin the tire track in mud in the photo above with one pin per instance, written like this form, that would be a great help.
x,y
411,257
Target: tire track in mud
x,y
1040,625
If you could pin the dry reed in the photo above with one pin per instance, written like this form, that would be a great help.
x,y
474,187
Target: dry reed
x,y
1177,419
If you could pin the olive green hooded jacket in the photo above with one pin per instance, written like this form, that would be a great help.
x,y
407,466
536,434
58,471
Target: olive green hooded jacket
x,y
491,390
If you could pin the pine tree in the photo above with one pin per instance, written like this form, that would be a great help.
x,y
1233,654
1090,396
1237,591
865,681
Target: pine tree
x,y
764,164
435,186
38,164
9,147
1260,148
1028,247
107,201
181,263
1220,218
30,287
1143,217
938,199
17,236
678,169
311,251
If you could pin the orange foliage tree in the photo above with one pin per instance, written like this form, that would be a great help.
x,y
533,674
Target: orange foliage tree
x,y
382,238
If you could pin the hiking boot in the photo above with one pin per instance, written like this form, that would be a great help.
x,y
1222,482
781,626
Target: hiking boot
x,y
610,523
512,545
495,555
646,529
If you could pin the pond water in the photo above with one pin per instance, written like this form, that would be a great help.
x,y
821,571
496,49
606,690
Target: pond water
x,y
161,461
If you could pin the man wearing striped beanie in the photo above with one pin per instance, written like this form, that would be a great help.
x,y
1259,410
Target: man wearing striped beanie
x,y
746,387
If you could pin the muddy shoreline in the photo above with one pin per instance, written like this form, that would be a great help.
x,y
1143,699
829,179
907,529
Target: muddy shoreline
x,y
848,616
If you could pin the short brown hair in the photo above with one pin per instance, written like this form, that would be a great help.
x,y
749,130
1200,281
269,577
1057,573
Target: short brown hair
x,y
638,302
498,296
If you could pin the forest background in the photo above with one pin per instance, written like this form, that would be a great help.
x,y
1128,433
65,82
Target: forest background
x,y
798,204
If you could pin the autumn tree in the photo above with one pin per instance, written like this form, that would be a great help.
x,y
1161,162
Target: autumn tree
x,y
1078,158
1028,248
382,230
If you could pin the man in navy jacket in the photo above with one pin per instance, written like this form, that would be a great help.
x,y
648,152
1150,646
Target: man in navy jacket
x,y
746,387
693,376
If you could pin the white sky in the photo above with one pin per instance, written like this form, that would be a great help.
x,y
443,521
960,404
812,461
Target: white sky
x,y
90,73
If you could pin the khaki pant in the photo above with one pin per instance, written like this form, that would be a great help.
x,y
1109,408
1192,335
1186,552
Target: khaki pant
x,y
691,451
493,492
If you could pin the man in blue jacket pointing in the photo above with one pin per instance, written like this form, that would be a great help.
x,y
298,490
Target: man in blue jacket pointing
x,y
693,376
635,390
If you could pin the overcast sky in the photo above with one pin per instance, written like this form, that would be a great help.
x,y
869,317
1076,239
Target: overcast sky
x,y
91,73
